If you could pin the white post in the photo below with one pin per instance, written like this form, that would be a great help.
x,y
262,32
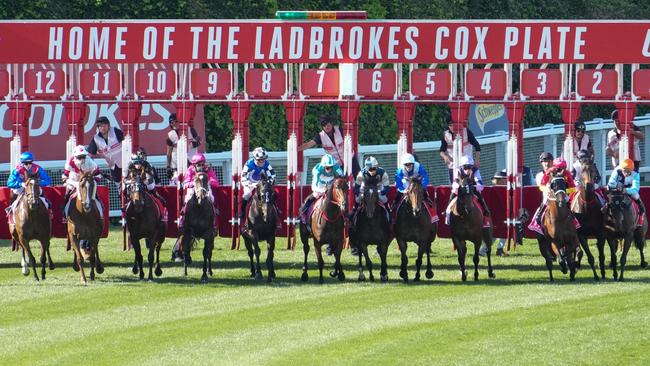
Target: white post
x,y
401,147
347,155
126,154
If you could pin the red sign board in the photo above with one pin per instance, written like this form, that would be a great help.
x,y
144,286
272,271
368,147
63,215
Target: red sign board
x,y
4,83
541,83
431,83
100,83
486,83
319,83
376,83
597,83
155,83
44,84
641,83
211,83
265,83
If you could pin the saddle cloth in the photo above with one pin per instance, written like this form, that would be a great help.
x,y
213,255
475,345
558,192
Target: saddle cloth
x,y
535,226
433,213
477,204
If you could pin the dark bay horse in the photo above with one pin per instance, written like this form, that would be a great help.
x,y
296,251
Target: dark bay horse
x,y
32,222
144,221
588,210
372,226
85,223
199,224
621,224
261,221
327,227
467,225
560,235
413,224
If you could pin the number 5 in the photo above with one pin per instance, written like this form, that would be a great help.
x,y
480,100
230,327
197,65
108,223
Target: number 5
x,y
431,83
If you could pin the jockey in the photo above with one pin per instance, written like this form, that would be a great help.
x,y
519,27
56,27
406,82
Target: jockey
x,y
79,164
558,168
140,165
410,169
251,174
323,176
583,157
199,165
625,176
468,170
374,173
581,141
19,176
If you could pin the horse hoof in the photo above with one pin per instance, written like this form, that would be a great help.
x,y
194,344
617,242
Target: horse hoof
x,y
100,269
321,280
620,279
259,276
26,272
615,276
134,270
416,279
429,274
204,278
463,275
372,278
383,278
92,277
158,272
52,266
210,273
362,277
142,275
272,275
644,264
75,267
596,278
403,274
405,280
492,275
269,279
334,274
304,277
475,278
252,275
341,276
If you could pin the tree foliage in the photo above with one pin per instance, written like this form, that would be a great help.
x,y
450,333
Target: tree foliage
x,y
377,122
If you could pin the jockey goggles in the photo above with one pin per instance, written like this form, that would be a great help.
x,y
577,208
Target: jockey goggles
x,y
465,167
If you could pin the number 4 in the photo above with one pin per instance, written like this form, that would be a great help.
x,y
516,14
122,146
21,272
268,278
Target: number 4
x,y
485,84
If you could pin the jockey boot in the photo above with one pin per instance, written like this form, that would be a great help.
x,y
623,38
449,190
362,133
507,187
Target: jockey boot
x,y
538,217
641,206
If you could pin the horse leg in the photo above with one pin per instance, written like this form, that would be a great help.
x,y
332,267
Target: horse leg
x,y
543,250
206,256
186,244
362,277
383,251
487,239
418,262
269,258
461,250
403,273
137,249
79,260
23,262
613,244
584,244
319,258
99,267
305,248
639,242
50,263
249,249
476,258
337,262
43,258
91,261
572,263
30,257
258,269
158,270
210,242
429,272
368,262
151,257
600,243
626,247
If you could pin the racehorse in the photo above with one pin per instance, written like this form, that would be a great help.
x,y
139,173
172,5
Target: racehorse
x,y
413,224
144,221
261,221
588,210
372,226
621,223
199,224
327,227
32,222
85,224
467,225
560,236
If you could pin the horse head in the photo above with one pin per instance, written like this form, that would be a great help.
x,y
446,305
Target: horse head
x,y
201,186
33,191
370,197
465,200
415,194
589,177
338,193
135,189
558,187
87,191
617,204
265,196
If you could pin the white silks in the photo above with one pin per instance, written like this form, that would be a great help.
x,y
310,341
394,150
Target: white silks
x,y
347,154
401,148
126,154
14,147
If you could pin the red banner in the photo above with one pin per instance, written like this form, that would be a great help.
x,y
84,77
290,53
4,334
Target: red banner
x,y
49,131
241,41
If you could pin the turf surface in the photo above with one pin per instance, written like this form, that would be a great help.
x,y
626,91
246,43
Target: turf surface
x,y
517,318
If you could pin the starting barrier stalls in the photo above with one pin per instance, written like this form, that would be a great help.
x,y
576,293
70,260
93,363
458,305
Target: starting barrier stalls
x,y
344,62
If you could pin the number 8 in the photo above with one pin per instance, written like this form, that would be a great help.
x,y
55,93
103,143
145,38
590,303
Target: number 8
x,y
266,81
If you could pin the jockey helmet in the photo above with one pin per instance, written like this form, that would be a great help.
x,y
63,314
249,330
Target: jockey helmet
x,y
79,151
198,158
407,159
580,126
583,155
26,157
102,121
327,160
614,115
371,162
627,164
559,163
260,154
142,153
172,118
135,158
545,156
466,160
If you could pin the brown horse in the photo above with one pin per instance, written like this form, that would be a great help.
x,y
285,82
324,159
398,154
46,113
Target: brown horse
x,y
588,210
467,225
199,224
413,224
32,222
144,221
327,227
85,224
560,235
371,227
261,221
621,223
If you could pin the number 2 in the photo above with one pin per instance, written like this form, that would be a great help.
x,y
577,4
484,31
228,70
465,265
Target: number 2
x,y
598,77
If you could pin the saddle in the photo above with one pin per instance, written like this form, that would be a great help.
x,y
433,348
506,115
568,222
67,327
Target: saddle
x,y
248,207
9,210
536,227
636,212
452,205
383,206
428,204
